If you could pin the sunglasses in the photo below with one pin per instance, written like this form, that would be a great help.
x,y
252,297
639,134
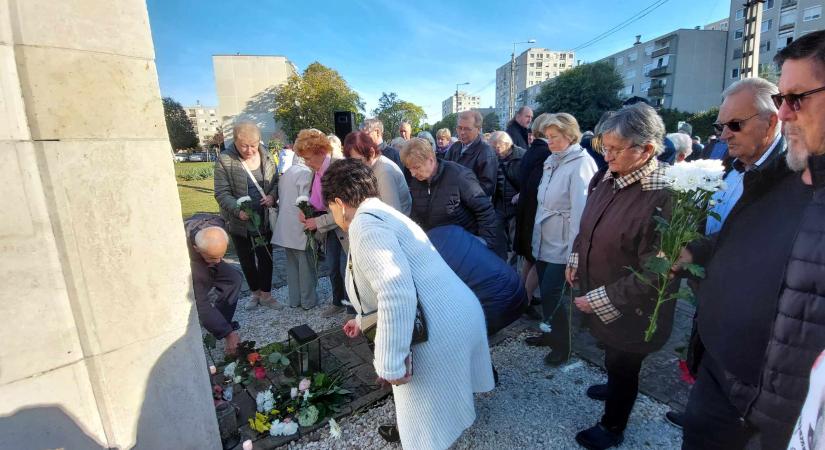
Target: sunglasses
x,y
794,100
734,125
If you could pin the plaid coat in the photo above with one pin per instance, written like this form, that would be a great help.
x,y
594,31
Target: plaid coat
x,y
231,184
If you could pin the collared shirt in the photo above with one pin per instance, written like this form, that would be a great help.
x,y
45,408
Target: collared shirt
x,y
734,185
465,147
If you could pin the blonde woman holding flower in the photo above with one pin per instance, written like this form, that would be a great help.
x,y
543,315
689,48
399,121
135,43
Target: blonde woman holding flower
x,y
245,169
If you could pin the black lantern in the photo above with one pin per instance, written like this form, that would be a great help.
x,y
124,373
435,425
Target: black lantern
x,y
306,349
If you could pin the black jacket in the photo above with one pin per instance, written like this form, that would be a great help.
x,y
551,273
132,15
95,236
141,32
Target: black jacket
x,y
391,153
481,159
530,173
798,331
738,299
453,196
507,184
517,133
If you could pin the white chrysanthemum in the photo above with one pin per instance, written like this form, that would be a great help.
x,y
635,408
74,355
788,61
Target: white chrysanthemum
x,y
334,429
229,370
697,175
279,428
265,401
247,444
290,428
243,200
301,199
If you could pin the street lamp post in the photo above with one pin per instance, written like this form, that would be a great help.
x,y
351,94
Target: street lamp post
x,y
456,93
513,77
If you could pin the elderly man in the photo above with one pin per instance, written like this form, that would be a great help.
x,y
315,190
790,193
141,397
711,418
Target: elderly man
x,y
405,130
473,153
519,126
375,128
207,245
743,393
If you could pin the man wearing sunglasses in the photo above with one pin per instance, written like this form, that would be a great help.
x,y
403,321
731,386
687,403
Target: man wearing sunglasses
x,y
758,345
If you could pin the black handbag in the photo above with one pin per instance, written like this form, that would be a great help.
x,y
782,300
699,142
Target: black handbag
x,y
369,321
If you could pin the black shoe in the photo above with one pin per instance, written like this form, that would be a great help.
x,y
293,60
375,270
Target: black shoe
x,y
598,392
389,433
541,340
598,437
235,325
495,375
532,314
675,418
556,358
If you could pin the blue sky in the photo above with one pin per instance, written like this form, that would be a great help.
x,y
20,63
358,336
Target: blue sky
x,y
419,50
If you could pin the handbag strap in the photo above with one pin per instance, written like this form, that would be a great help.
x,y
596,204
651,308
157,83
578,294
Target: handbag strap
x,y
252,177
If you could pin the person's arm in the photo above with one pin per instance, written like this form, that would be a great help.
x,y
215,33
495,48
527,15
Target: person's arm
x,y
385,268
388,189
325,223
478,202
223,189
579,185
210,317
629,290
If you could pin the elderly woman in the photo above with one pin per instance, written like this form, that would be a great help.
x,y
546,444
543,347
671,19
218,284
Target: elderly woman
x,y
314,147
392,187
616,233
447,193
561,198
507,185
682,145
394,270
427,137
337,148
443,141
246,169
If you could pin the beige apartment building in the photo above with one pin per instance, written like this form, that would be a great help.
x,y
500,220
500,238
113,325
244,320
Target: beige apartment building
x,y
532,67
463,102
205,121
782,22
245,85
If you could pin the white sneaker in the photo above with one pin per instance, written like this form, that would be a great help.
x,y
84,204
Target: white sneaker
x,y
252,303
271,303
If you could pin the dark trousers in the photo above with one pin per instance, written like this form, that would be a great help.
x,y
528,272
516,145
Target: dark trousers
x,y
710,420
256,263
554,308
226,281
336,259
623,386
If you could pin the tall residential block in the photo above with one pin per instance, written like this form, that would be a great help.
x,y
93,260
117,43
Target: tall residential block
x,y
246,86
782,22
205,121
463,102
532,67
679,70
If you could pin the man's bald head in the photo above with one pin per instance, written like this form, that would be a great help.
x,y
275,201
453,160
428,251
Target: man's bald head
x,y
211,243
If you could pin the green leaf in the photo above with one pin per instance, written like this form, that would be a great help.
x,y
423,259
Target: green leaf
x,y
696,270
715,215
284,361
658,265
209,341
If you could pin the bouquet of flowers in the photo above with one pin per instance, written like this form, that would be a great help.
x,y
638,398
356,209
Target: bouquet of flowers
x,y
254,222
302,203
692,184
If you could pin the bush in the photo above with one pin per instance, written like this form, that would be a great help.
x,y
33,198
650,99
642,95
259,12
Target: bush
x,y
201,173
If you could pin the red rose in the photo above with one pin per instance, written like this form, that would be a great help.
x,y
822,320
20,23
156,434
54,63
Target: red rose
x,y
253,358
260,373
685,373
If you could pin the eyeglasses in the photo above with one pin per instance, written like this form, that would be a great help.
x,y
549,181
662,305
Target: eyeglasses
x,y
734,125
616,153
794,100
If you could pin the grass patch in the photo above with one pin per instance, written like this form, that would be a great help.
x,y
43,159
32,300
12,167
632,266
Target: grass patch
x,y
196,195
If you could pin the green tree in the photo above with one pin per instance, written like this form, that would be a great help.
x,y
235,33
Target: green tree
x,y
672,117
586,92
490,123
181,133
310,99
702,122
449,122
391,111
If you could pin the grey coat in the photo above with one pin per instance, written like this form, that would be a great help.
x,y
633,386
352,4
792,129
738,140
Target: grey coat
x,y
231,184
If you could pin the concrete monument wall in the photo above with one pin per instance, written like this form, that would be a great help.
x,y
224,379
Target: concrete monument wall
x,y
100,340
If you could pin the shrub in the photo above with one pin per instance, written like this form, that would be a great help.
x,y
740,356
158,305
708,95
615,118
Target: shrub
x,y
201,173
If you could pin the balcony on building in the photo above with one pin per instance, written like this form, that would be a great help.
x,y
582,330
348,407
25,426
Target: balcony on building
x,y
788,3
659,72
661,51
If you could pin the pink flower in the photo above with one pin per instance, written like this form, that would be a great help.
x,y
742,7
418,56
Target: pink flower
x,y
260,373
685,373
304,384
247,444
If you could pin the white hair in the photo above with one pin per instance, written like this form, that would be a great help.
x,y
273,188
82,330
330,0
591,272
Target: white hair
x,y
638,123
374,124
500,136
760,88
202,241
244,128
682,143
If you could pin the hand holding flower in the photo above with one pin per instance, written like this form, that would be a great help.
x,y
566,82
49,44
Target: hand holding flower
x,y
268,201
243,216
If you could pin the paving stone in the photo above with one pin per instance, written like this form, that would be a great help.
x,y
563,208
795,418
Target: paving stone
x,y
365,401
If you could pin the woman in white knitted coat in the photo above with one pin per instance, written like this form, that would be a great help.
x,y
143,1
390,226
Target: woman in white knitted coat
x,y
394,266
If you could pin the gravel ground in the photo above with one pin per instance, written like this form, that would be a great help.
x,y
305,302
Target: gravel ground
x,y
534,407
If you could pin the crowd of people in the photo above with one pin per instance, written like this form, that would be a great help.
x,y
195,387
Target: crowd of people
x,y
433,244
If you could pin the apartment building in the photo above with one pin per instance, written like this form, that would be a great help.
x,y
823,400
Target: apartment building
x,y
463,102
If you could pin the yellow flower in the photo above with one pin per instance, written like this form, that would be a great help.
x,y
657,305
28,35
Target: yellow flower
x,y
290,409
260,423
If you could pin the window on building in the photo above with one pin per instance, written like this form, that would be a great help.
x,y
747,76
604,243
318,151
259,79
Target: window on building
x,y
734,73
784,39
630,74
768,5
531,64
547,74
812,13
766,25
620,61
541,56
649,49
644,86
563,56
631,57
570,55
740,14
738,33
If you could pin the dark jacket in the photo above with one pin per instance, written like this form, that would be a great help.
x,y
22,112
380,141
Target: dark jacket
x,y
231,184
738,299
617,232
495,283
798,331
517,133
481,159
507,183
530,173
453,196
392,153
